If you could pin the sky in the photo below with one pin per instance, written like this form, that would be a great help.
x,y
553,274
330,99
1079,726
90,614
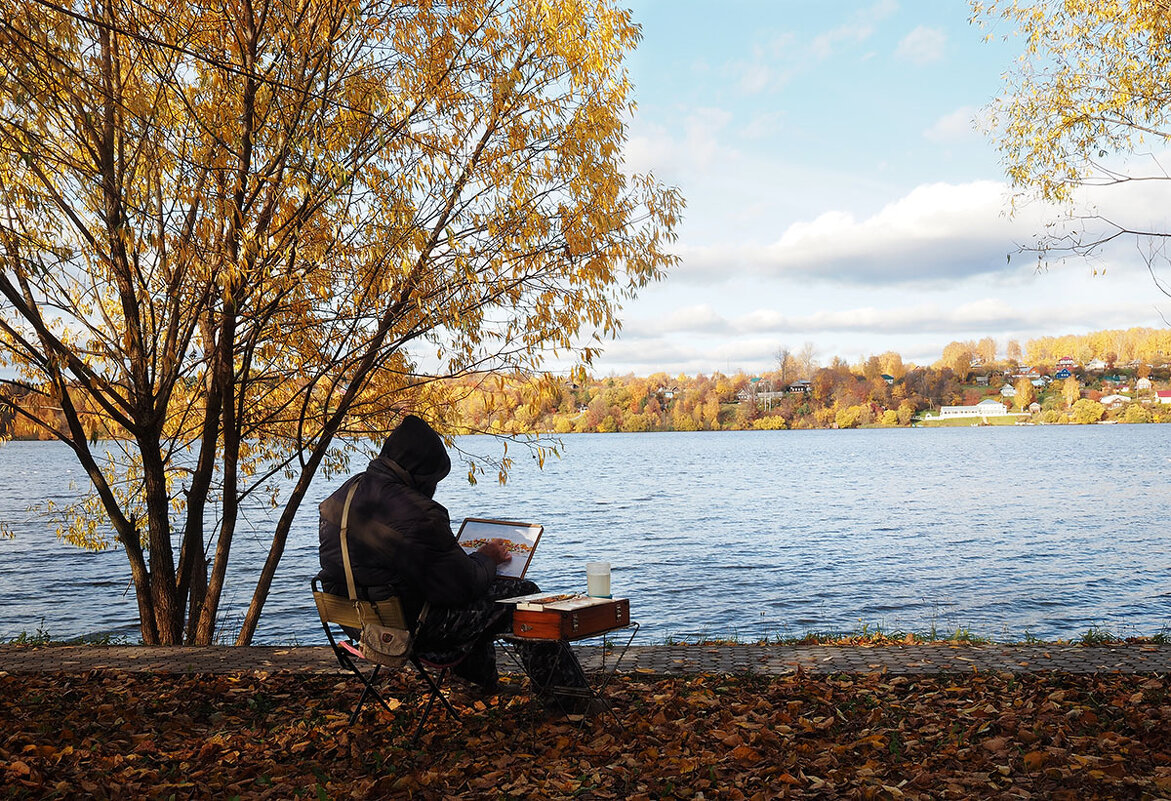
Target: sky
x,y
841,193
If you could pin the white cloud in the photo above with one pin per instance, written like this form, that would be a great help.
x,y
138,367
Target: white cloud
x,y
770,67
973,317
976,317
922,46
702,318
773,65
964,123
764,125
859,28
918,330
754,77
782,46
938,233
644,357
1142,205
670,155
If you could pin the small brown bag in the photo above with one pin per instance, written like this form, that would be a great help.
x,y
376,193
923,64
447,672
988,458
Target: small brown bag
x,y
385,645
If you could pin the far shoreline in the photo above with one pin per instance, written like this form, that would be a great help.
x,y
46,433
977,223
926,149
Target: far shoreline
x,y
955,422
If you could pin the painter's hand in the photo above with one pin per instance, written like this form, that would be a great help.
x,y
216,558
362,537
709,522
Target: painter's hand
x,y
497,550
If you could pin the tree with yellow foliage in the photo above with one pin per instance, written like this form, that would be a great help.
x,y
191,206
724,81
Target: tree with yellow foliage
x,y
1090,87
848,416
958,357
248,233
1087,411
1012,352
892,364
1026,393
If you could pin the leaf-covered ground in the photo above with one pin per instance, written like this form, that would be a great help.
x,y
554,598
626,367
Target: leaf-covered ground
x,y
109,735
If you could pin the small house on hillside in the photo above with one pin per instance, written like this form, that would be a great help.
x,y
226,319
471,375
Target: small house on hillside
x,y
1096,365
1062,374
1164,395
1142,383
1031,373
1066,362
1008,391
1113,401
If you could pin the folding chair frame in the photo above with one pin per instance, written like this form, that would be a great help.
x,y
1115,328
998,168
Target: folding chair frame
x,y
336,610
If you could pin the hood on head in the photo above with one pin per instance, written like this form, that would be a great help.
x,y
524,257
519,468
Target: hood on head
x,y
416,448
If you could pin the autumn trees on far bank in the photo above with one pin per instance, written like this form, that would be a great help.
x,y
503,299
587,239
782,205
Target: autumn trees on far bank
x,y
836,396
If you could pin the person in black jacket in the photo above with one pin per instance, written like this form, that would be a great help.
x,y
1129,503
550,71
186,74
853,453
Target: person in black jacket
x,y
401,543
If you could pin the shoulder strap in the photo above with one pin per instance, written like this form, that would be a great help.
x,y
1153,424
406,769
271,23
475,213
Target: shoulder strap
x,y
345,545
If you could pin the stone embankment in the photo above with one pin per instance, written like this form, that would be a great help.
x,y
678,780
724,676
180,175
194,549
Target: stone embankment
x,y
664,660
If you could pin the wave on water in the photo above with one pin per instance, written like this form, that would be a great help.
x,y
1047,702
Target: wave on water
x,y
921,529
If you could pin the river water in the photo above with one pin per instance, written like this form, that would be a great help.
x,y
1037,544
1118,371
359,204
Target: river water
x,y
1005,532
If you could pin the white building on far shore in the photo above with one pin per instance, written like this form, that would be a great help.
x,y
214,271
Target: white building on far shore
x,y
985,408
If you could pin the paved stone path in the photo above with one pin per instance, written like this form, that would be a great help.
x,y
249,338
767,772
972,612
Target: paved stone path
x,y
663,660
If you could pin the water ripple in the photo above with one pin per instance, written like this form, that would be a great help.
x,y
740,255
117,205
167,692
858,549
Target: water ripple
x,y
997,531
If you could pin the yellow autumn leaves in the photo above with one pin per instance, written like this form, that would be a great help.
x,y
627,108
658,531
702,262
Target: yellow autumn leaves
x,y
1090,84
235,232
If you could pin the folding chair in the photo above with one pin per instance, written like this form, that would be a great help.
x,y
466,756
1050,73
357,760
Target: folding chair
x,y
338,613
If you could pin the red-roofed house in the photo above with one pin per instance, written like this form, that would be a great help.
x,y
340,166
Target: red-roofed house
x,y
1164,395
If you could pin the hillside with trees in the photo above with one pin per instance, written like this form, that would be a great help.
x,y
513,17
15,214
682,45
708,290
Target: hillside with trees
x,y
881,390
799,393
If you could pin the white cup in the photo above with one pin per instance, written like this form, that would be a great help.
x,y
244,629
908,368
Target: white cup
x,y
598,579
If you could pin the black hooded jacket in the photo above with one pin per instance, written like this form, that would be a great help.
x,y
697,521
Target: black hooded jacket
x,y
400,539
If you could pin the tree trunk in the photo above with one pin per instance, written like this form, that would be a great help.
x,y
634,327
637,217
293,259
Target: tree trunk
x,y
229,426
168,616
193,561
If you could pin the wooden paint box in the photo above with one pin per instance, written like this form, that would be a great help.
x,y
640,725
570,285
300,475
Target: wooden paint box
x,y
570,619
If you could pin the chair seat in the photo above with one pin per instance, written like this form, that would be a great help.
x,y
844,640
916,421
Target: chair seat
x,y
339,614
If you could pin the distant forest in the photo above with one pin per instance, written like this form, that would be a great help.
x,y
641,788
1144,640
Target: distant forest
x,y
1102,376
882,390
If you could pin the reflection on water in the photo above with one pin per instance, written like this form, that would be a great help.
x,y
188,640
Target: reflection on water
x,y
1044,531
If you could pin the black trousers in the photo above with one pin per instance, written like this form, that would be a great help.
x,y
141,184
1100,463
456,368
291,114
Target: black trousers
x,y
466,634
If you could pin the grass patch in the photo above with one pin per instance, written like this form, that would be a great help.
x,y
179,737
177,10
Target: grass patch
x,y
865,635
868,635
42,637
1099,636
965,422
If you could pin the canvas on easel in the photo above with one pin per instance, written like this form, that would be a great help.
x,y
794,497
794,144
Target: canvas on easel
x,y
522,539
